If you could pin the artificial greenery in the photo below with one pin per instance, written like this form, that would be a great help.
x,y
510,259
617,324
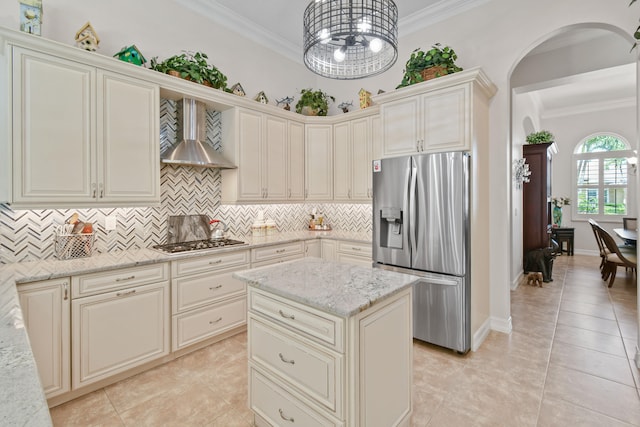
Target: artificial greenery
x,y
438,55
540,137
316,100
636,34
194,67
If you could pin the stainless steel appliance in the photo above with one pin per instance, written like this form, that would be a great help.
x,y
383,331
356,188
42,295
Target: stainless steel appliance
x,y
421,226
193,233
195,245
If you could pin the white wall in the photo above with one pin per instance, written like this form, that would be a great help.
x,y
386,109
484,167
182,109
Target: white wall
x,y
569,131
495,36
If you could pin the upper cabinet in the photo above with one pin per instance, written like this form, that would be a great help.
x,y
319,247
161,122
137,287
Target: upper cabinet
x,y
268,151
319,162
352,156
435,116
81,136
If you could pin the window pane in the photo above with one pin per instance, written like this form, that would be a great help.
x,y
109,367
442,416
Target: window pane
x,y
615,201
615,171
587,201
588,172
602,143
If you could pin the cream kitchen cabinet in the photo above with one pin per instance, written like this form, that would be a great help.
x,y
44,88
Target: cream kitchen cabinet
x,y
319,162
328,249
352,156
206,301
435,116
46,312
120,319
268,151
313,248
82,136
354,253
274,254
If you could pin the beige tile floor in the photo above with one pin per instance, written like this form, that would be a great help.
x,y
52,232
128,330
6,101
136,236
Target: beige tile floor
x,y
568,362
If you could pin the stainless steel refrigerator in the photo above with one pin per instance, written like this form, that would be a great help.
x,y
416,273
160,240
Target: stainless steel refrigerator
x,y
421,226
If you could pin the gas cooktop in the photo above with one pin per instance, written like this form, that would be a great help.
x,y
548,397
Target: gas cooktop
x,y
196,245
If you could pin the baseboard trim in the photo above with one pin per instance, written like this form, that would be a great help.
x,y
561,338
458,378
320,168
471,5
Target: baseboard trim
x,y
516,282
480,335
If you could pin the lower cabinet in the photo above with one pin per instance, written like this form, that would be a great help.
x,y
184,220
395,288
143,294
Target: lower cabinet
x,y
313,248
354,253
45,309
268,255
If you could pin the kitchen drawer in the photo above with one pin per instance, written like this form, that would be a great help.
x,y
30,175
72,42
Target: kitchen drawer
x,y
209,263
359,249
197,325
354,259
277,407
276,260
97,283
277,251
315,371
317,325
201,289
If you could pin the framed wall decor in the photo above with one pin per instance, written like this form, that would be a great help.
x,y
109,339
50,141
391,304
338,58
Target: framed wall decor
x,y
31,16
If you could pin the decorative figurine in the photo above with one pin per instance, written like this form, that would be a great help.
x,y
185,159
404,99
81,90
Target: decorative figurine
x,y
365,98
380,91
87,38
344,106
31,16
131,54
261,98
286,101
237,89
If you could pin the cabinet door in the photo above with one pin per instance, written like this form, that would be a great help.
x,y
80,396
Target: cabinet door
x,y
401,127
319,162
313,248
342,161
128,135
250,184
446,119
53,133
295,162
361,174
45,308
119,330
275,156
328,250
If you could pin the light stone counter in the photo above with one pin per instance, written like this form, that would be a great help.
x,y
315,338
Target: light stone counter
x,y
335,288
22,401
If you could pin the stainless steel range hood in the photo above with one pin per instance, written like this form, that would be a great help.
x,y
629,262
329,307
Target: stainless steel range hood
x,y
192,150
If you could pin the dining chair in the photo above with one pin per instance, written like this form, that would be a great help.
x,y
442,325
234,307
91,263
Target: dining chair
x,y
630,223
601,247
615,257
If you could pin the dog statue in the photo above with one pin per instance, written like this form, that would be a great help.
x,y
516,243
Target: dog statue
x,y
534,279
540,260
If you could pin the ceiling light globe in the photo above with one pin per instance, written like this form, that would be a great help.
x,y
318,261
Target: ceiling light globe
x,y
375,45
325,36
339,55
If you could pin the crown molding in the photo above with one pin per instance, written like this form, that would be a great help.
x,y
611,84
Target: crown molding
x,y
435,13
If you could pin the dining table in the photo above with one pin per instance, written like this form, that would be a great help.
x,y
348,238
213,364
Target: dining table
x,y
630,237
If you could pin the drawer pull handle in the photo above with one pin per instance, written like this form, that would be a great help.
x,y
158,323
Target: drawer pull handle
x,y
65,286
284,417
124,294
356,249
213,288
286,316
122,279
279,251
285,360
215,262
212,322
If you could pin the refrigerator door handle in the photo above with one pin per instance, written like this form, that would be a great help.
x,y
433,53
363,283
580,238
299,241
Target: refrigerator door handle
x,y
413,208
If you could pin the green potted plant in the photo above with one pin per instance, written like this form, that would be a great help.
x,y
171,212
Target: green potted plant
x,y
194,67
540,137
313,103
437,61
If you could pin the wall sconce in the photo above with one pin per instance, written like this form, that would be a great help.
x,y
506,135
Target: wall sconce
x,y
632,162
521,172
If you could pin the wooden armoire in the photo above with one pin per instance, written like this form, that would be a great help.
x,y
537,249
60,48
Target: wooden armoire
x,y
536,197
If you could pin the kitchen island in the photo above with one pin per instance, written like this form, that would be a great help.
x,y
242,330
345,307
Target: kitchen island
x,y
329,344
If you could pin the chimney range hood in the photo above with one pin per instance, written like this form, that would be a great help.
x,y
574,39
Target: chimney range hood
x,y
192,150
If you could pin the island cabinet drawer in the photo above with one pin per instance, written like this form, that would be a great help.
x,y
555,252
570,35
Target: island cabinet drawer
x,y
314,370
277,251
202,289
276,261
218,261
315,324
97,283
197,325
275,406
359,249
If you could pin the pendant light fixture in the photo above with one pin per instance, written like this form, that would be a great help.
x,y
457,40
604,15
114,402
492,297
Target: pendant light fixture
x,y
350,39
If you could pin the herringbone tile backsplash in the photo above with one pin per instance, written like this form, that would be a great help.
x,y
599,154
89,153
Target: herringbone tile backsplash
x,y
28,235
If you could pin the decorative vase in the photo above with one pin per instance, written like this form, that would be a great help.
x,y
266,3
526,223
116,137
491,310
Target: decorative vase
x,y
308,111
557,216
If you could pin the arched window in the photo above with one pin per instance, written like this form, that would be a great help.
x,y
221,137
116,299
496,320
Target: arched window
x,y
602,177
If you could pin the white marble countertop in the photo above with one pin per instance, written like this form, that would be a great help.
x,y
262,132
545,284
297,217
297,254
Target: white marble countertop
x,y
22,401
336,288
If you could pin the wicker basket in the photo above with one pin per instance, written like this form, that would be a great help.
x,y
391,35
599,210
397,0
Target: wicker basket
x,y
433,72
69,246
